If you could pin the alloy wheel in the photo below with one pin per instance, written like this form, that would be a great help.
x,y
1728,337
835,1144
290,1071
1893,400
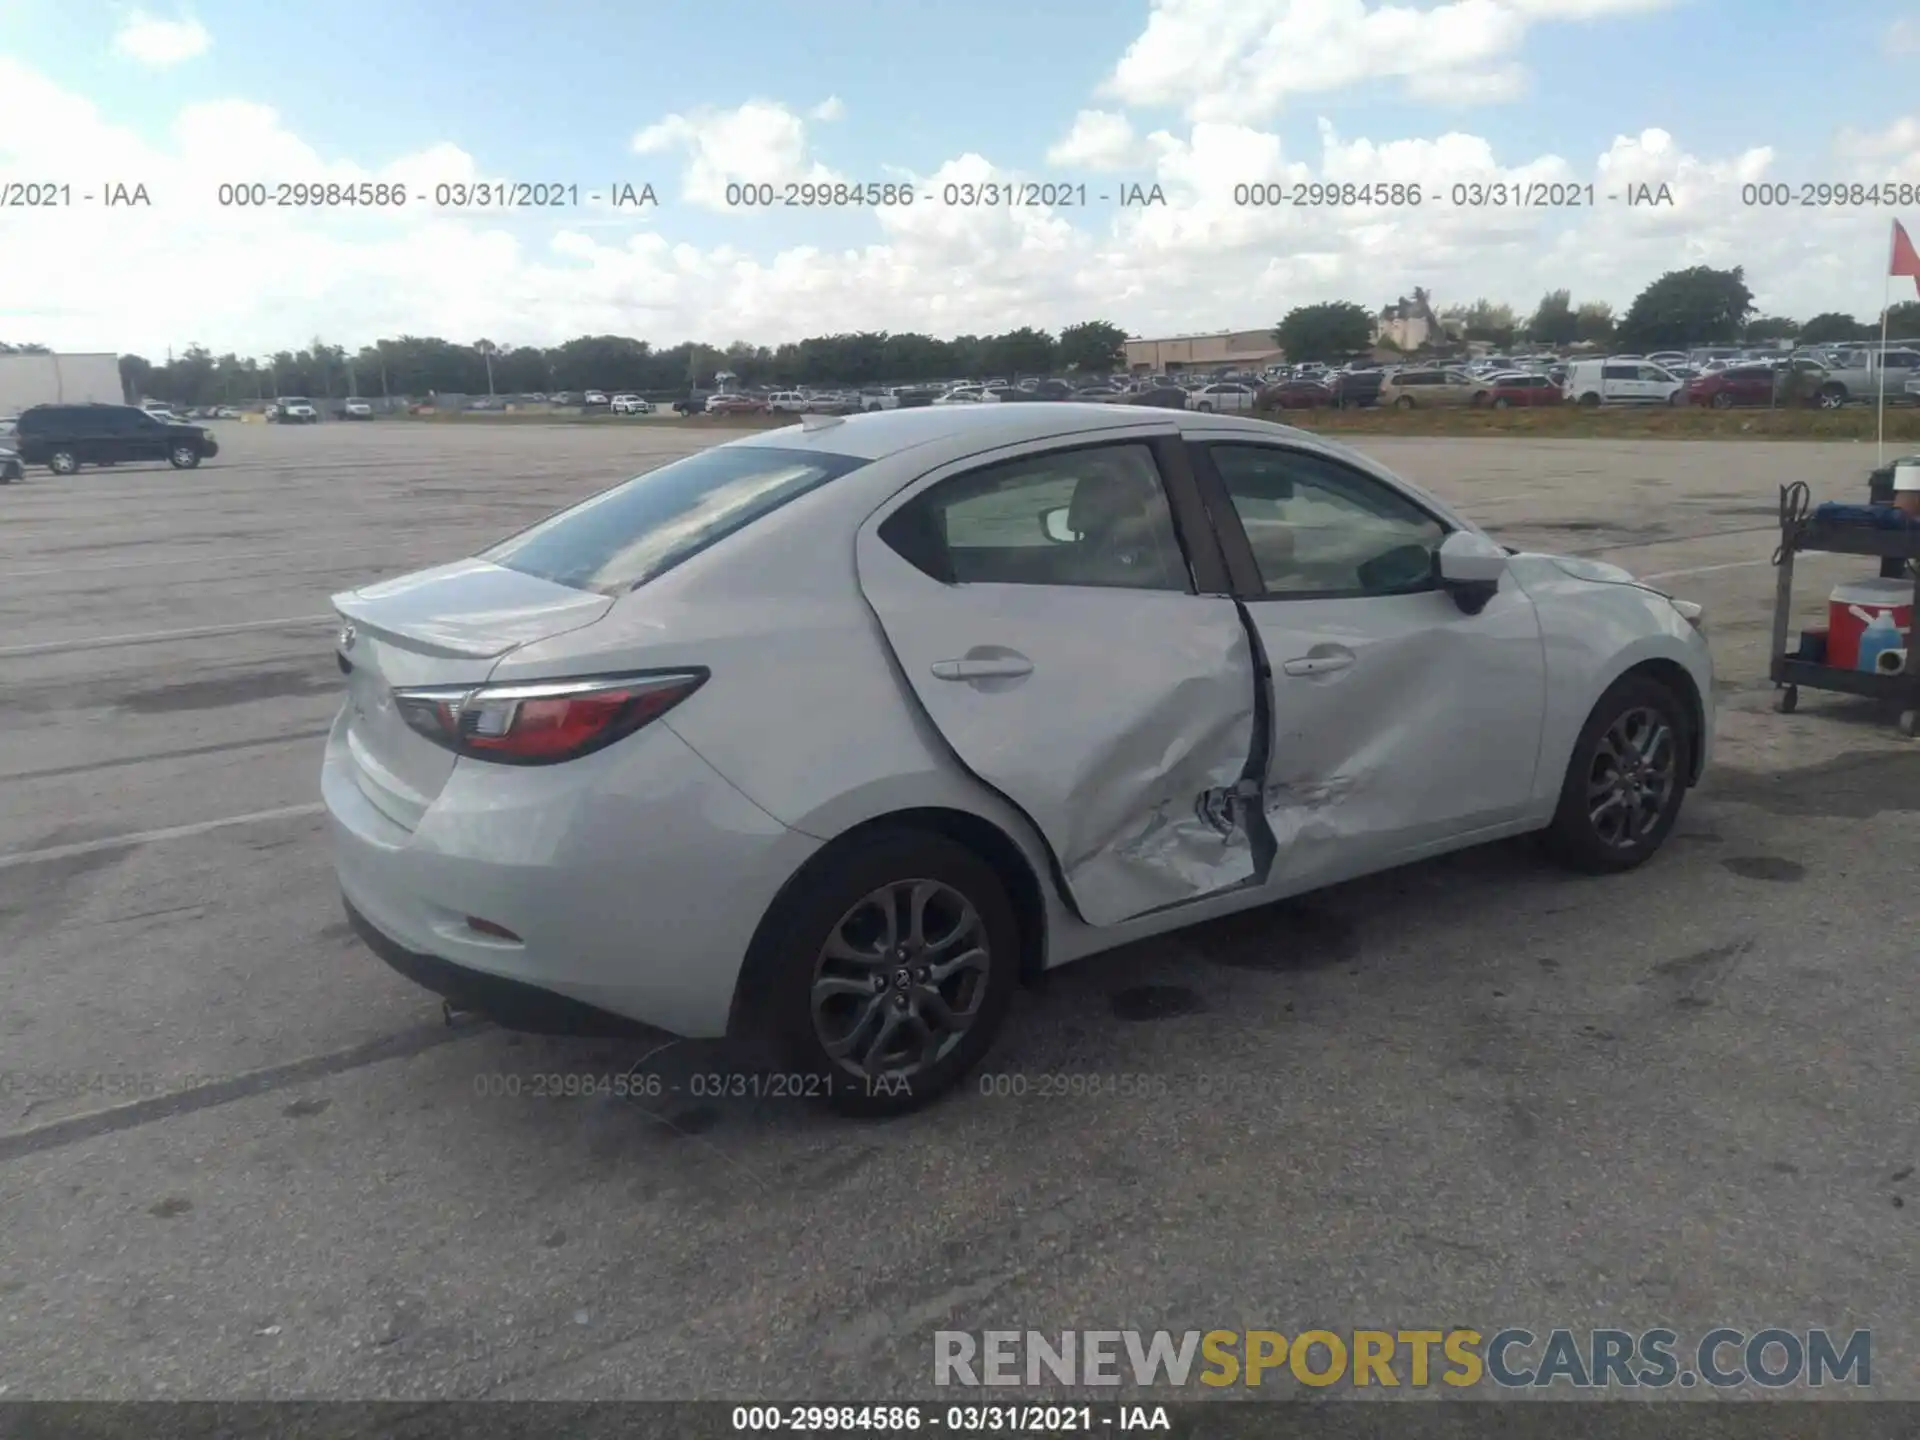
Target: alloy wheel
x,y
1632,778
900,980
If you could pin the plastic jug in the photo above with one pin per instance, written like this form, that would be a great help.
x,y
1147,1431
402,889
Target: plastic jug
x,y
1881,634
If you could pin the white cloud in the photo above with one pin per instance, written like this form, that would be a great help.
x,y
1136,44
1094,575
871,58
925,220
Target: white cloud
x,y
1099,140
831,108
1470,87
257,280
1243,60
761,141
1903,36
161,43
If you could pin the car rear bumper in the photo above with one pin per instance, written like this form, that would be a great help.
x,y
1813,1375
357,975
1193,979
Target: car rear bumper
x,y
630,881
509,1003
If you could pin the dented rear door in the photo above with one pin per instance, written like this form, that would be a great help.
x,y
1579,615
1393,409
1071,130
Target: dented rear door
x,y
1121,721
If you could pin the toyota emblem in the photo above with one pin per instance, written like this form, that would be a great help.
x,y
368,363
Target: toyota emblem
x,y
347,636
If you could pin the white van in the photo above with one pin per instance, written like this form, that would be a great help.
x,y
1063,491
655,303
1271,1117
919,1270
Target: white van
x,y
1620,381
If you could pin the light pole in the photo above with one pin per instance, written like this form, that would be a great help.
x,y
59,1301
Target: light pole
x,y
486,349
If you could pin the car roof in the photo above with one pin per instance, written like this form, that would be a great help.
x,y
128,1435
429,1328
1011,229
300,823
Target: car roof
x,y
889,432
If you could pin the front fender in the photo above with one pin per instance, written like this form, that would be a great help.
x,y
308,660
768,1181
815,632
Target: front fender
x,y
1594,632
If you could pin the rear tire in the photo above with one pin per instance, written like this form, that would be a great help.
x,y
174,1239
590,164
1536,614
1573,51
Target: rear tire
x,y
63,462
1500,402
1723,401
1590,400
1405,402
1626,780
854,998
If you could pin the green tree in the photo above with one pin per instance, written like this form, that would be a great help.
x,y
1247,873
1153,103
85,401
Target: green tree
x,y
1482,320
1686,307
1903,320
1829,326
1771,327
1553,321
1025,351
1593,323
1095,346
136,376
27,349
1332,330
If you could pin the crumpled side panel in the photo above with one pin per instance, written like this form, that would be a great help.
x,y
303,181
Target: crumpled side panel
x,y
1150,820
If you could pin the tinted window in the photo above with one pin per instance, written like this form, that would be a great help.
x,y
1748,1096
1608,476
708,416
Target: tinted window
x,y
1901,360
1089,517
1417,377
625,536
1621,372
1318,527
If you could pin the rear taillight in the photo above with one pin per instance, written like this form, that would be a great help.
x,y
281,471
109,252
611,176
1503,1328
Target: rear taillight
x,y
542,724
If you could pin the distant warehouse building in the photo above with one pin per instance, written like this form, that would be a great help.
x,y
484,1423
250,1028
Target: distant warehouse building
x,y
58,380
1220,350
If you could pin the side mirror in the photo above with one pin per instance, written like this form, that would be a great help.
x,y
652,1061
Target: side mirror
x,y
1470,567
1053,524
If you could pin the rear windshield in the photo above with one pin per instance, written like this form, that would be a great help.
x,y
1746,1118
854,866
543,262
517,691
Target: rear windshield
x,y
625,536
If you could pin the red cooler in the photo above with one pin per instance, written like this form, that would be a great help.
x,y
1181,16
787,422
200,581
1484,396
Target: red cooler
x,y
1860,603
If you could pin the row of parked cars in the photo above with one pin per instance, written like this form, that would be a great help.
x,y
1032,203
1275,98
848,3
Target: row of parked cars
x,y
1716,377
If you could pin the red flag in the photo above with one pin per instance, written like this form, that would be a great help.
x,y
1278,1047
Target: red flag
x,y
1906,261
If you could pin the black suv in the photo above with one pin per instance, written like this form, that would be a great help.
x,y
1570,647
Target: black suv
x,y
65,437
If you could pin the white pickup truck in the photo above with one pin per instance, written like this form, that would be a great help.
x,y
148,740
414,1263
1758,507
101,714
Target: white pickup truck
x,y
1855,376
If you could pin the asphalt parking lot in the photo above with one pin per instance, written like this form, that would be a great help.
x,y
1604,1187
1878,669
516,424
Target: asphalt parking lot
x,y
1473,1092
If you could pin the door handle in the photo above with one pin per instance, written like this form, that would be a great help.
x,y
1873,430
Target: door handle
x,y
1318,664
1005,667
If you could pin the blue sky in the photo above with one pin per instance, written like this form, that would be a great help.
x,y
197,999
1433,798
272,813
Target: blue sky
x,y
558,93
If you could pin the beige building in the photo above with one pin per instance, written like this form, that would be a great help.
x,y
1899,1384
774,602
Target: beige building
x,y
1221,350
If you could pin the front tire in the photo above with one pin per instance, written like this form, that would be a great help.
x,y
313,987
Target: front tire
x,y
63,462
887,975
1405,402
1626,780
184,457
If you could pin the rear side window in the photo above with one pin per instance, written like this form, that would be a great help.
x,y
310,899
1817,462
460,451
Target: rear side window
x,y
624,537
1621,372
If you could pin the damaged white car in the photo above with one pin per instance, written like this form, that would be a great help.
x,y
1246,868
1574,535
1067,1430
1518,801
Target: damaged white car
x,y
825,739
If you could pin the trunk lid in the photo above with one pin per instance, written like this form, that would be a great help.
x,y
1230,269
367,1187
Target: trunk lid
x,y
446,626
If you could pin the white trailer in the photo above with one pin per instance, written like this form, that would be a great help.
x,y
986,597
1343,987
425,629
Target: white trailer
x,y
58,380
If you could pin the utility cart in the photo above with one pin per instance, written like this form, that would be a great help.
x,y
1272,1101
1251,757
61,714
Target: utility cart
x,y
1898,551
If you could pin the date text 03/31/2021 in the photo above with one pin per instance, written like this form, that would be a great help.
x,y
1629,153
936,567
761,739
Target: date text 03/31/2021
x,y
897,1419
954,194
492,195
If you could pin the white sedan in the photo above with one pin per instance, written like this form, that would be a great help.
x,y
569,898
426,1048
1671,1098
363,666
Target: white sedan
x,y
1227,398
826,739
